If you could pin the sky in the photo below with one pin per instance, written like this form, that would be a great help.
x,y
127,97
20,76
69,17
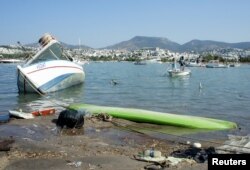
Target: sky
x,y
100,23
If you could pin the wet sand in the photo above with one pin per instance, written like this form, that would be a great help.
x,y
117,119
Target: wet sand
x,y
38,144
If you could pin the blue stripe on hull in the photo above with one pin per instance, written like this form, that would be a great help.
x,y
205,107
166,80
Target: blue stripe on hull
x,y
54,82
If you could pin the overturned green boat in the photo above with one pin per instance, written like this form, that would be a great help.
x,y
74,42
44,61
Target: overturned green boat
x,y
160,118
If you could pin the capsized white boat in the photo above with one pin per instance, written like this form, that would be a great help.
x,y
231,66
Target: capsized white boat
x,y
49,70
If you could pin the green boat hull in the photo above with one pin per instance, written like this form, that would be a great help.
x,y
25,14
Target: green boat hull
x,y
153,117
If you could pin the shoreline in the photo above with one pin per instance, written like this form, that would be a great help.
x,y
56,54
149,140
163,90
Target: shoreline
x,y
98,145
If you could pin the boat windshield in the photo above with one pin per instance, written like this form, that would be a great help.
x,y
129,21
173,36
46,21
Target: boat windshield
x,y
54,52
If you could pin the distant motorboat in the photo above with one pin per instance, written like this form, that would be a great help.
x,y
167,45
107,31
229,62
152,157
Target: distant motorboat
x,y
216,64
234,65
175,72
49,70
155,60
194,64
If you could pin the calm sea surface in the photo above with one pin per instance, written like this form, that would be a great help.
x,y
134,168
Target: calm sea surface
x,y
225,93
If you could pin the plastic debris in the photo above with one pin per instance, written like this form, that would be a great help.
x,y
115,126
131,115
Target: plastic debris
x,y
173,161
150,155
104,117
71,119
235,144
44,112
198,154
21,114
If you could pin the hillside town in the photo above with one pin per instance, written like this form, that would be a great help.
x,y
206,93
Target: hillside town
x,y
147,53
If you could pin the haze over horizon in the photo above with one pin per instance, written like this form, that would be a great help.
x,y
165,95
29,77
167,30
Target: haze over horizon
x,y
102,23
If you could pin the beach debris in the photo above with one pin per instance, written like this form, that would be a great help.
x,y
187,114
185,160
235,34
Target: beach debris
x,y
5,144
159,160
173,161
197,154
235,144
75,164
70,119
151,155
21,114
104,117
44,112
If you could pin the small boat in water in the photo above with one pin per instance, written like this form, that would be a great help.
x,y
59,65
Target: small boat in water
x,y
49,70
234,65
175,72
216,64
179,72
195,64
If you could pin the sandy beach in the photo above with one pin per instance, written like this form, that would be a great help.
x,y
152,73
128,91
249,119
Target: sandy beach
x,y
39,144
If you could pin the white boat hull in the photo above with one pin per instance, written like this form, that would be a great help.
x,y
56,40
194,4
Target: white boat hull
x,y
49,76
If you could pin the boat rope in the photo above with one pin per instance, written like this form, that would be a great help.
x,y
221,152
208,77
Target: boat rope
x,y
133,129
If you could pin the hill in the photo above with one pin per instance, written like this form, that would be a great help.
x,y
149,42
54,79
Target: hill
x,y
139,42
203,45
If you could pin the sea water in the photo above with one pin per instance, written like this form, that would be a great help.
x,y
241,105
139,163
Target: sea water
x,y
221,93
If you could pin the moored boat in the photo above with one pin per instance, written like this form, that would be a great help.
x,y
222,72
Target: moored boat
x,y
234,65
182,71
216,64
194,64
179,72
49,70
